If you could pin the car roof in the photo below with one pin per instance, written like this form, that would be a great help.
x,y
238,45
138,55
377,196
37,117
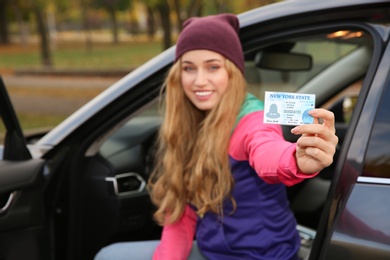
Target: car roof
x,y
265,14
292,7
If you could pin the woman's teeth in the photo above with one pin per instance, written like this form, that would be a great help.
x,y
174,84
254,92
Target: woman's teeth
x,y
203,93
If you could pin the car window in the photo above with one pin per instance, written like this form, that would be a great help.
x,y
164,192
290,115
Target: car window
x,y
343,103
377,160
293,64
324,51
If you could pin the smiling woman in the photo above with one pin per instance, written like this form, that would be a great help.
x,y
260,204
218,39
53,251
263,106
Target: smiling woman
x,y
221,177
224,175
204,78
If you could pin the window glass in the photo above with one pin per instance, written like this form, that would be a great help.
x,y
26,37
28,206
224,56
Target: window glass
x,y
302,59
377,160
292,64
41,103
131,147
287,65
343,104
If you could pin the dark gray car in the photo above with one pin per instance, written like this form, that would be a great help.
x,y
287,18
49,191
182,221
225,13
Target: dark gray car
x,y
82,185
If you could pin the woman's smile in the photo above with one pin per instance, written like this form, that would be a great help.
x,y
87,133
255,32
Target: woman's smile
x,y
203,95
204,78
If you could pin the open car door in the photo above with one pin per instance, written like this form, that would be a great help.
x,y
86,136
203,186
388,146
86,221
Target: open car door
x,y
22,214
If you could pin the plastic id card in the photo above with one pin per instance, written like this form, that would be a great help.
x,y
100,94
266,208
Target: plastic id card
x,y
288,108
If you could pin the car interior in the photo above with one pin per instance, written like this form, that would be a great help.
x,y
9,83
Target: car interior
x,y
112,195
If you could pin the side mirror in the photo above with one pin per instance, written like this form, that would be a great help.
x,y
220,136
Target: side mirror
x,y
283,61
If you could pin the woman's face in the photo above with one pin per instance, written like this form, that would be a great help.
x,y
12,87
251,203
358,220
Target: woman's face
x,y
204,78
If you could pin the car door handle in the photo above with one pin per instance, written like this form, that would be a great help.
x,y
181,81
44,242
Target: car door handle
x,y
8,202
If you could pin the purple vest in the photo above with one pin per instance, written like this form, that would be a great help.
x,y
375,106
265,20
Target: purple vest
x,y
261,227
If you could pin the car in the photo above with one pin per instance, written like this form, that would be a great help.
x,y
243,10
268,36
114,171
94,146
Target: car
x,y
82,185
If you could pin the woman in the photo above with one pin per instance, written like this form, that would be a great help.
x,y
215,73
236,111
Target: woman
x,y
221,172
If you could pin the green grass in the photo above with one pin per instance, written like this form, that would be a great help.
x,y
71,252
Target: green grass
x,y
30,121
73,56
34,123
108,56
70,56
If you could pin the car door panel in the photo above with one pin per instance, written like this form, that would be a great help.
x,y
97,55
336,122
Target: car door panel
x,y
22,217
114,188
362,231
22,209
16,175
21,184
24,243
350,84
359,181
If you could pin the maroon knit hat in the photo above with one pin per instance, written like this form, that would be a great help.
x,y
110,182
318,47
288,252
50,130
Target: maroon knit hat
x,y
217,33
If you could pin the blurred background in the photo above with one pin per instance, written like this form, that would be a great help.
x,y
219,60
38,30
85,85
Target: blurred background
x,y
56,55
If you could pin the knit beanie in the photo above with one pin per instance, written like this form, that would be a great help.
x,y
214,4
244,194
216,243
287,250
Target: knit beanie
x,y
218,33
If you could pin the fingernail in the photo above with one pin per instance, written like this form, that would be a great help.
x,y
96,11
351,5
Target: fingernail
x,y
295,130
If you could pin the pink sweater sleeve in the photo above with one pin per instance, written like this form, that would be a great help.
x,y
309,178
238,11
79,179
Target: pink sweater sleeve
x,y
263,145
177,238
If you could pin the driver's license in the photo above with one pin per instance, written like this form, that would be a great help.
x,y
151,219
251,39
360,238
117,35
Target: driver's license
x,y
286,108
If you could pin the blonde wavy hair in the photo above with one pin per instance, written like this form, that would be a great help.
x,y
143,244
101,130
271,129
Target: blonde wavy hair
x,y
192,158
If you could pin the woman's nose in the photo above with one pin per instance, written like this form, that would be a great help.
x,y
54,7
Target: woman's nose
x,y
201,79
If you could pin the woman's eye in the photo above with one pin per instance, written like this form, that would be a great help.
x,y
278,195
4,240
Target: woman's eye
x,y
188,69
213,67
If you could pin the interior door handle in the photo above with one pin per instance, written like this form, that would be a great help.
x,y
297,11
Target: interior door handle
x,y
8,202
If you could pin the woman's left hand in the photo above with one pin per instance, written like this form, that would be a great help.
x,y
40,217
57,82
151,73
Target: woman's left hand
x,y
317,145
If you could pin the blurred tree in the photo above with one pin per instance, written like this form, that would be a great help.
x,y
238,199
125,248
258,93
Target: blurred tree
x,y
62,6
183,9
151,22
21,17
187,9
162,8
86,24
266,2
22,10
164,11
112,6
38,8
222,6
4,37
245,5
